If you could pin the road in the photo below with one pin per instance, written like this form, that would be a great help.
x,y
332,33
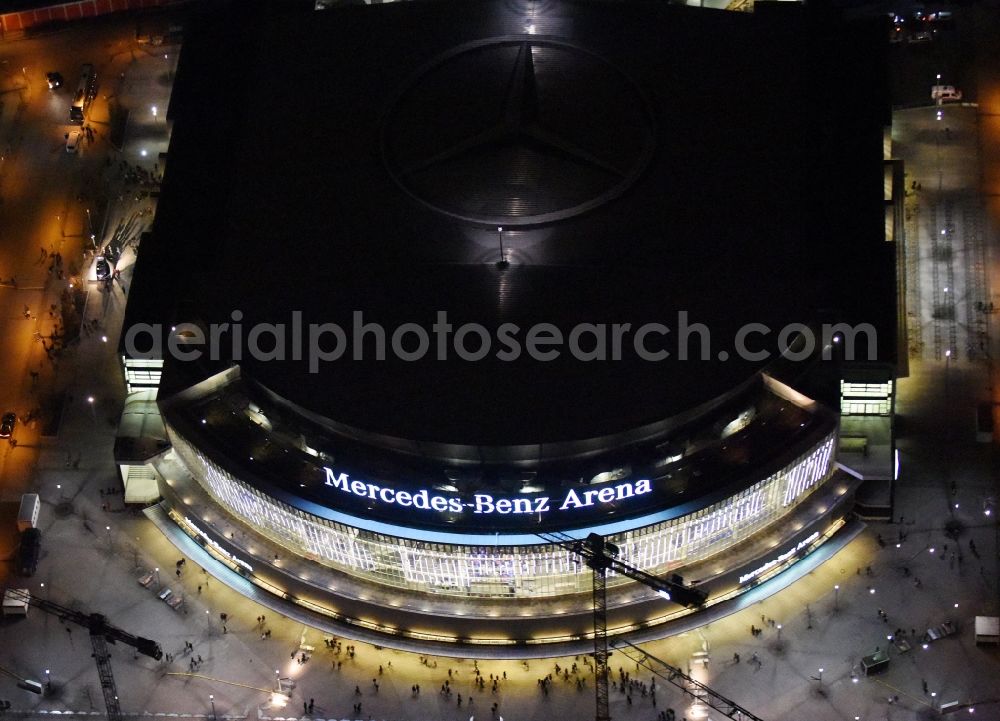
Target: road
x,y
51,203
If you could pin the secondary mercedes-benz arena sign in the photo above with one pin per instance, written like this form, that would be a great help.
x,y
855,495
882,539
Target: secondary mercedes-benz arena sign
x,y
485,503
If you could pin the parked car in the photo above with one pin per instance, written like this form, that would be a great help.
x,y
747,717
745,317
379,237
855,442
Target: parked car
x,y
55,80
73,141
7,424
28,552
111,253
103,268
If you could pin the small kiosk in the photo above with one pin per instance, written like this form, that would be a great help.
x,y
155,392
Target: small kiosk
x,y
987,629
875,663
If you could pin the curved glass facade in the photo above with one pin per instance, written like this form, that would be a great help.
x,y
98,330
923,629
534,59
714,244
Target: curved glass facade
x,y
504,571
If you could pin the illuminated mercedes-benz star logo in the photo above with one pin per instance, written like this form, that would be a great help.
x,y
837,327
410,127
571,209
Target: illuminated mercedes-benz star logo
x,y
517,131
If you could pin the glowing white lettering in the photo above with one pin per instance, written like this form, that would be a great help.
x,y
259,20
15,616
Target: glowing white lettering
x,y
484,503
780,559
218,548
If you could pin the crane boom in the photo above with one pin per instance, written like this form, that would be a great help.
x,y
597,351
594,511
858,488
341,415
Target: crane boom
x,y
101,634
602,556
96,623
597,552
692,687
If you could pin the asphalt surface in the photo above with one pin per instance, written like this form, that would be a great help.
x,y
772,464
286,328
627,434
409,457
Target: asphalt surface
x,y
51,203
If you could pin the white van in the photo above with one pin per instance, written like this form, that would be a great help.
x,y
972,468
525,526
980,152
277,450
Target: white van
x,y
15,602
944,93
27,514
73,141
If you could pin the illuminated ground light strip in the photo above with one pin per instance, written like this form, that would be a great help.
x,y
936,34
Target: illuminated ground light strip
x,y
789,558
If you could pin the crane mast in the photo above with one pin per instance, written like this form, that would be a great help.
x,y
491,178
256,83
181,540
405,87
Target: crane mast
x,y
101,634
601,556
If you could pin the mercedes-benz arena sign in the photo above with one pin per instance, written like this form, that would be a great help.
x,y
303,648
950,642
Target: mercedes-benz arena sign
x,y
484,503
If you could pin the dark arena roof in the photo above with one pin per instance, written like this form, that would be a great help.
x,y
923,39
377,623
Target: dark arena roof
x,y
643,160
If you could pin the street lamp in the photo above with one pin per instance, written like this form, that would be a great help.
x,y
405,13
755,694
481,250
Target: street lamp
x,y
208,621
90,400
107,530
836,598
90,229
211,697
779,631
502,260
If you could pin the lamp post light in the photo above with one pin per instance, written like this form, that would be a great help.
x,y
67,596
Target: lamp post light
x,y
208,621
107,530
836,597
156,576
90,402
211,697
48,681
503,260
90,230
779,632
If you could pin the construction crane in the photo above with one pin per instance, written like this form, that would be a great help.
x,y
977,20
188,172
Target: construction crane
x,y
701,693
602,556
101,634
